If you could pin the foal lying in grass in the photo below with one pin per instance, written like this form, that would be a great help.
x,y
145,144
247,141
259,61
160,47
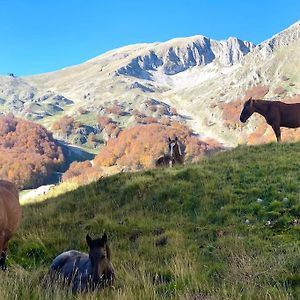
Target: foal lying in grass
x,y
82,271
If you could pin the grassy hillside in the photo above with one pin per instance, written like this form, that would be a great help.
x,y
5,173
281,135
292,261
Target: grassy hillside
x,y
193,232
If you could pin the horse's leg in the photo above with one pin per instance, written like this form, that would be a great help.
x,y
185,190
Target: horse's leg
x,y
2,260
277,132
3,254
3,248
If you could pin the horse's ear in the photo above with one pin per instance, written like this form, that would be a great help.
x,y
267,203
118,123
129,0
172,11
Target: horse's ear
x,y
88,239
176,138
251,101
104,238
169,139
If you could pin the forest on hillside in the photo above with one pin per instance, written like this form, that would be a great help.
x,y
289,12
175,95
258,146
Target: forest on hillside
x,y
28,152
138,147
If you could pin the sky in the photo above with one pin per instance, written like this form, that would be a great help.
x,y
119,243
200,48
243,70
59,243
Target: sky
x,y
38,36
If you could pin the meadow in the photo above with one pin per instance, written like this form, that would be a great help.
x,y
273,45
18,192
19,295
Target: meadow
x,y
224,228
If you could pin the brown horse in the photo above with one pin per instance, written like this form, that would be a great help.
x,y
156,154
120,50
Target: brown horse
x,y
84,271
10,216
174,156
276,113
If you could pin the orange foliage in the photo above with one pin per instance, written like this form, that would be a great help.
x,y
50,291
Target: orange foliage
x,y
165,120
111,130
66,125
115,109
141,145
83,172
257,92
149,120
173,111
231,113
279,90
103,121
28,152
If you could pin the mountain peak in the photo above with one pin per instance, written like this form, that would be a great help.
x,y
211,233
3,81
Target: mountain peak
x,y
281,39
177,55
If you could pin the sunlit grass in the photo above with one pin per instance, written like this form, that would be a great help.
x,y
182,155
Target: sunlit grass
x,y
192,232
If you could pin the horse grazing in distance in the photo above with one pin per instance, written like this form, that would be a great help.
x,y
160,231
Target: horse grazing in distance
x,y
174,156
10,216
82,271
277,114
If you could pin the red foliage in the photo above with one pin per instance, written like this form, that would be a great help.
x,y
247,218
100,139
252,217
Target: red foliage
x,y
115,109
165,120
257,92
231,113
279,90
82,172
137,113
173,111
28,152
149,120
66,125
111,130
145,120
103,121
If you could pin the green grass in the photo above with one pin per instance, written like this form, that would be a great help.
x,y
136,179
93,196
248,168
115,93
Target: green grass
x,y
192,232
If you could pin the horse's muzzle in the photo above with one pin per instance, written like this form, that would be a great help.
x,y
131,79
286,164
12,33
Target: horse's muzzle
x,y
243,119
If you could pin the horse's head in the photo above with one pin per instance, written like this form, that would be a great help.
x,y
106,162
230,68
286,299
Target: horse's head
x,y
99,255
175,155
174,147
248,110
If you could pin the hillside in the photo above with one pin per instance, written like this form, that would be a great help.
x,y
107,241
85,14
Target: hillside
x,y
139,147
200,77
28,153
225,228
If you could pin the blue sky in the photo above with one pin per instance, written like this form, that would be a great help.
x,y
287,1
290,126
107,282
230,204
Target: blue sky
x,y
38,36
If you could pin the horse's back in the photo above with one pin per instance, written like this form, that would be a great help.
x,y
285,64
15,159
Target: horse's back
x,y
72,266
289,114
163,160
67,261
10,216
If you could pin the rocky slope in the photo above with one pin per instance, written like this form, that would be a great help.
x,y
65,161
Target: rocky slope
x,y
205,80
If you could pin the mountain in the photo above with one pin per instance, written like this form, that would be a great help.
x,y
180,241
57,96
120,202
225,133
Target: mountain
x,y
203,79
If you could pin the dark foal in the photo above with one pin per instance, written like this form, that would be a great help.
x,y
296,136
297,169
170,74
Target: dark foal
x,y
84,271
174,156
276,113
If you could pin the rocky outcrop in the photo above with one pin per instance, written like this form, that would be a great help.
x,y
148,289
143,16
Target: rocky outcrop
x,y
180,54
282,39
24,99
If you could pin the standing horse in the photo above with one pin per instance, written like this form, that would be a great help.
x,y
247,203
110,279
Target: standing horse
x,y
173,157
84,271
276,113
10,216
